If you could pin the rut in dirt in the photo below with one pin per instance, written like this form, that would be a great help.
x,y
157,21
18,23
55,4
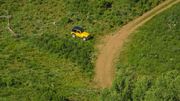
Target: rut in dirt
x,y
104,70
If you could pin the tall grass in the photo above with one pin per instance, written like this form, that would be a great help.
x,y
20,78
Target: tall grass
x,y
149,69
77,51
45,63
27,73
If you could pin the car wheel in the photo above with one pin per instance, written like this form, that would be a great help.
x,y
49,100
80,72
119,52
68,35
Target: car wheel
x,y
73,35
84,39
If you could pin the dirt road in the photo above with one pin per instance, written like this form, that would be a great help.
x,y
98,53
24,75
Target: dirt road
x,y
105,70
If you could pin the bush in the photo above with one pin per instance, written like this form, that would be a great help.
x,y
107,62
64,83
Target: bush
x,y
40,66
148,69
78,51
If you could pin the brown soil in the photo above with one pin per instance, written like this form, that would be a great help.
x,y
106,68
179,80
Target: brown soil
x,y
109,51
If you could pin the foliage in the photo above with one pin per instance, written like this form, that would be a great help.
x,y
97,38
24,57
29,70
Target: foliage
x,y
44,63
27,73
79,52
149,68
98,17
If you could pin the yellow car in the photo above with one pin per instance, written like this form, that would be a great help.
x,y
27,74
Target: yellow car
x,y
79,32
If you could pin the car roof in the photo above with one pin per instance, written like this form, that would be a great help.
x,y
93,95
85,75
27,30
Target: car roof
x,y
78,28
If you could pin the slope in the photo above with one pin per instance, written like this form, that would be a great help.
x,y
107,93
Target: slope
x,y
30,73
104,64
148,68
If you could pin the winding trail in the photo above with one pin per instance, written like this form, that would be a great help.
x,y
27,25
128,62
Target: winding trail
x,y
104,70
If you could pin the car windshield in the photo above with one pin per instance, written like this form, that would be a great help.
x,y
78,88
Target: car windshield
x,y
77,28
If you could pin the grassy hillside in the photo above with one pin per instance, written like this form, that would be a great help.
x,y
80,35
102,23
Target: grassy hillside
x,y
149,68
44,62
58,16
27,73
48,23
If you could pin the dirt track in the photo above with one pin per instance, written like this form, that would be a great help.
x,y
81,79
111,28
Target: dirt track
x,y
104,70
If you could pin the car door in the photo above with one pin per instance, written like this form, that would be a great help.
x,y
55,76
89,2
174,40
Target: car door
x,y
79,34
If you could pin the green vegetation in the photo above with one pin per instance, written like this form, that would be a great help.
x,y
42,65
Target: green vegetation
x,y
46,23
59,16
44,63
149,68
65,47
27,73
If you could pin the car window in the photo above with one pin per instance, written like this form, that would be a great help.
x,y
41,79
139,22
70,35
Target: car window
x,y
74,30
78,31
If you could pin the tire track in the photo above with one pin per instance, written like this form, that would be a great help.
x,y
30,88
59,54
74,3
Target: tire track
x,y
104,70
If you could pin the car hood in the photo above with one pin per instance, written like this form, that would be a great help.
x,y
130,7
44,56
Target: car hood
x,y
86,34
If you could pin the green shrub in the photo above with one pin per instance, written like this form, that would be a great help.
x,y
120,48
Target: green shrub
x,y
76,50
27,73
52,66
148,69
